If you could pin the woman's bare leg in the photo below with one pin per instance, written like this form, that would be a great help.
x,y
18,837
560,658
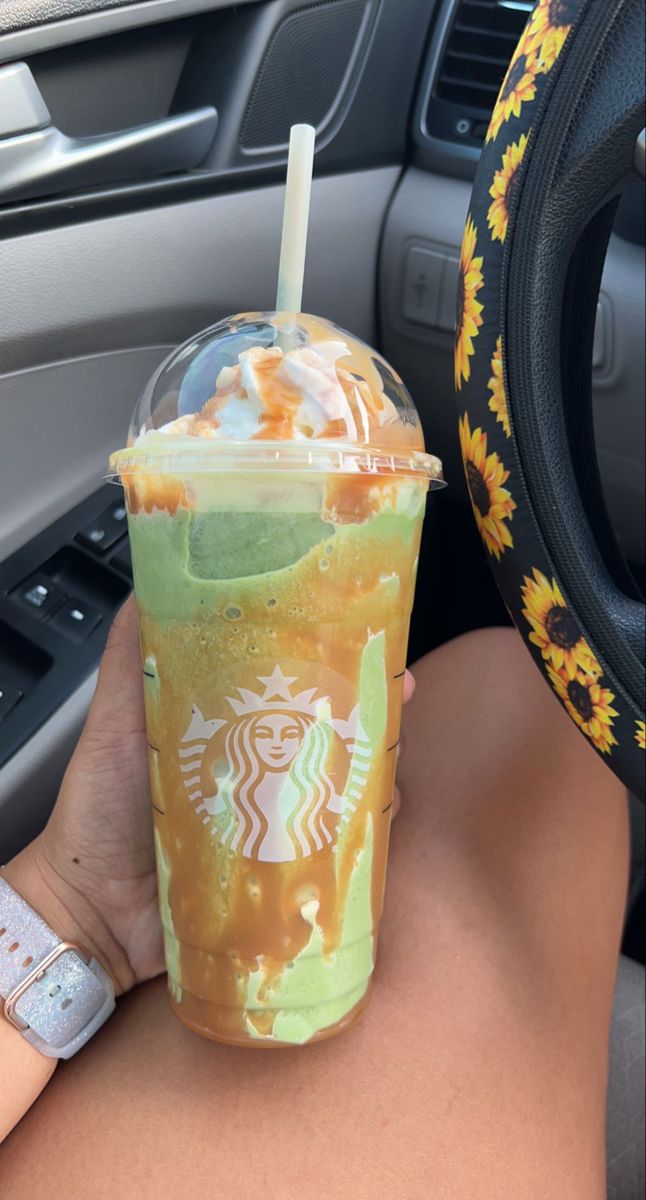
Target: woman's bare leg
x,y
479,1070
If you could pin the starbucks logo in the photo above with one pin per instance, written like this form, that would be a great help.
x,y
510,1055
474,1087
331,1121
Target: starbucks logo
x,y
278,777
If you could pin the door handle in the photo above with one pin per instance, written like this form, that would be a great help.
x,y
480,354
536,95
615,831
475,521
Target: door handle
x,y
36,159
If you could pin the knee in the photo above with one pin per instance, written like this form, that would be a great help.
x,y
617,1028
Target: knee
x,y
484,722
486,666
484,686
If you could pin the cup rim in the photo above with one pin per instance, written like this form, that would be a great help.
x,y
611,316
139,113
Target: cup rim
x,y
184,457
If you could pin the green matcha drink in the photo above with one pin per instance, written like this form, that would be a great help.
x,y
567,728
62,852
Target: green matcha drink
x,y
276,486
275,478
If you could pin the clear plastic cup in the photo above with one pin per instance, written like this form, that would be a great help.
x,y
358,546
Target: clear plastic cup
x,y
276,482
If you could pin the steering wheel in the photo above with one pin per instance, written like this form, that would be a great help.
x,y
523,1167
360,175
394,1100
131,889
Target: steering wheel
x,y
564,140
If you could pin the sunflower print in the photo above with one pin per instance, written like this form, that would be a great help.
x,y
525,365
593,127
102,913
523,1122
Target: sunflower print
x,y
493,504
498,401
469,309
554,629
547,30
640,734
589,704
504,187
518,88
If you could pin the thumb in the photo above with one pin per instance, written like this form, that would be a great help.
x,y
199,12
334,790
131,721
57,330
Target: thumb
x,y
117,707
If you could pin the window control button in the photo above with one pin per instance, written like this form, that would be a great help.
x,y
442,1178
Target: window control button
x,y
102,534
119,513
99,536
9,697
76,620
39,595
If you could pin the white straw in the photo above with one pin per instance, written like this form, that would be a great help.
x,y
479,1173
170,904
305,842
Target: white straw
x,y
296,219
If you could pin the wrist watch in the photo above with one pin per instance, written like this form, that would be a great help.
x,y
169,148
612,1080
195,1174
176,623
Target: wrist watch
x,y
54,993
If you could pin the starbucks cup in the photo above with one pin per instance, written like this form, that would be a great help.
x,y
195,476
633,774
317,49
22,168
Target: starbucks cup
x,y
276,481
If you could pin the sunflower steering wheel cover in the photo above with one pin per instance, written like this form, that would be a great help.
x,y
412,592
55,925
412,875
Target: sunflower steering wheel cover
x,y
536,599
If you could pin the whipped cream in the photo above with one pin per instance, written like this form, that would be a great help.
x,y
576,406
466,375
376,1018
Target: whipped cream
x,y
295,395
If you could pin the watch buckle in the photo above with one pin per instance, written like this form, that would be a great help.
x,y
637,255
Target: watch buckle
x,y
34,976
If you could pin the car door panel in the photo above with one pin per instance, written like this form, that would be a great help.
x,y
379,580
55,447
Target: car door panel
x,y
349,67
77,406
85,295
31,25
148,277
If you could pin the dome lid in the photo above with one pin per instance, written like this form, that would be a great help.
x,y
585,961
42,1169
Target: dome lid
x,y
275,390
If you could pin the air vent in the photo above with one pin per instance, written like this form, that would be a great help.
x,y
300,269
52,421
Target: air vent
x,y
477,49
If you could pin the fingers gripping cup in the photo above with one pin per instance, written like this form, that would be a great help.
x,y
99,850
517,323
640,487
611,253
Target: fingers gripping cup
x,y
275,480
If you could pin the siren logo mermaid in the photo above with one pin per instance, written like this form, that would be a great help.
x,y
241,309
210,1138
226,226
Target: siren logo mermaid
x,y
275,799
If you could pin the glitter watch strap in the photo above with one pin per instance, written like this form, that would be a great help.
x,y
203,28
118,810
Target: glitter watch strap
x,y
53,993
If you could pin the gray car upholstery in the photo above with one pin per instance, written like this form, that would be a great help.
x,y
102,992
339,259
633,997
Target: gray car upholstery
x,y
626,1113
